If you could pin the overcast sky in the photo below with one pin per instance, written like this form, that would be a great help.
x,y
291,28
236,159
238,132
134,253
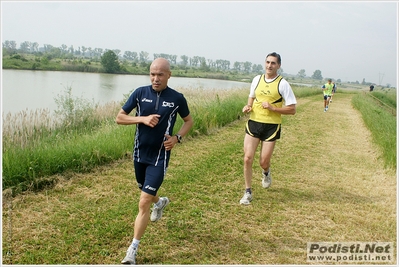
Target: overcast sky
x,y
344,40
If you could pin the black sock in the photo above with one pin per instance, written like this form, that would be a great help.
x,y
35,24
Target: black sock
x,y
248,190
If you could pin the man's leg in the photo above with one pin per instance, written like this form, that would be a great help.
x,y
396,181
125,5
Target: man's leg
x,y
143,216
266,154
140,225
250,145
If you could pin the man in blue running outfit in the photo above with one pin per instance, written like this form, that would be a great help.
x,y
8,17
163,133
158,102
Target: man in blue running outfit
x,y
157,107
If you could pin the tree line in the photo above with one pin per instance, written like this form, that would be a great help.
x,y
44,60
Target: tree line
x,y
113,60
142,57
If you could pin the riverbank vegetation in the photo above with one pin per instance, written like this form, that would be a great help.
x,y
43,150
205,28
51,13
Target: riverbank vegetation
x,y
81,135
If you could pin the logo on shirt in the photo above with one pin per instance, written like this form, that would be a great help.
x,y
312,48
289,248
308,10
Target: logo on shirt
x,y
146,100
266,92
168,104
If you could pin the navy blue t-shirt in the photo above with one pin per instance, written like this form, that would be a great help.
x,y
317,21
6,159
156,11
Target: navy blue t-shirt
x,y
148,142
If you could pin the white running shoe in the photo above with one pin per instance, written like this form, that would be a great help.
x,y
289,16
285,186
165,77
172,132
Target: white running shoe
x,y
266,179
156,213
130,256
246,199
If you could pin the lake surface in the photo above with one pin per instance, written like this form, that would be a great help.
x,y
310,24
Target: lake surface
x,y
31,90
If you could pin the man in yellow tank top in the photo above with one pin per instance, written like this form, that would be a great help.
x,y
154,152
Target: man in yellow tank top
x,y
270,96
327,92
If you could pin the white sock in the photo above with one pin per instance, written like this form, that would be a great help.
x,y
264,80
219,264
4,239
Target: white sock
x,y
135,243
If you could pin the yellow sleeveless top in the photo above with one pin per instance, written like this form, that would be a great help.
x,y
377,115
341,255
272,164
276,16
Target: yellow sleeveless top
x,y
267,92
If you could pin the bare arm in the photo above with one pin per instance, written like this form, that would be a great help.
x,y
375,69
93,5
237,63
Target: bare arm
x,y
124,119
287,110
248,107
171,141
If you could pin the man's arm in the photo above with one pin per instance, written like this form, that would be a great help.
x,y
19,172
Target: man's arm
x,y
187,124
171,141
287,110
124,119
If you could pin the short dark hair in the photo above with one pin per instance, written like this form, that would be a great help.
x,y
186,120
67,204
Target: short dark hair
x,y
274,54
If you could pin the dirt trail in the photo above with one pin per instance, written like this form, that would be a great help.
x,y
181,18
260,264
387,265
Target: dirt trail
x,y
328,185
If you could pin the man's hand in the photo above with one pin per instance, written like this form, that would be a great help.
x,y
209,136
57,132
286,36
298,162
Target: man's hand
x,y
268,106
170,142
246,109
151,120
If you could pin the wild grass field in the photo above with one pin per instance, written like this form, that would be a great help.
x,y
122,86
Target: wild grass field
x,y
332,182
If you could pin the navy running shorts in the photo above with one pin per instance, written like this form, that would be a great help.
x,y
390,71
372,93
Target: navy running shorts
x,y
149,177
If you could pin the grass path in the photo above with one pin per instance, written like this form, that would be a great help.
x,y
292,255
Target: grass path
x,y
328,185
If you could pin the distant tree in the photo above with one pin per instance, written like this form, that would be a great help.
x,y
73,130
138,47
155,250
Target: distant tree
x,y
280,71
25,46
203,65
339,80
218,64
34,47
317,75
110,62
226,65
90,51
10,45
237,66
143,56
194,61
47,47
173,59
84,49
364,81
211,64
128,55
184,59
71,50
63,48
301,73
247,66
98,52
257,68
117,52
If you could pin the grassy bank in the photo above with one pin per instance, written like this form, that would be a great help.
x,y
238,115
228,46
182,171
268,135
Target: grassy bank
x,y
81,136
77,137
381,122
331,191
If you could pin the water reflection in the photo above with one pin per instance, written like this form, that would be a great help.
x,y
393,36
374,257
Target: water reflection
x,y
22,89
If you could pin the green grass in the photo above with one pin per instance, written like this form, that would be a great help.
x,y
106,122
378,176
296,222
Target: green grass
x,y
331,191
382,125
386,96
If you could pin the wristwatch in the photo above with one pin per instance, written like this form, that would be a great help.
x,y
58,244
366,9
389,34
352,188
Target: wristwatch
x,y
178,138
